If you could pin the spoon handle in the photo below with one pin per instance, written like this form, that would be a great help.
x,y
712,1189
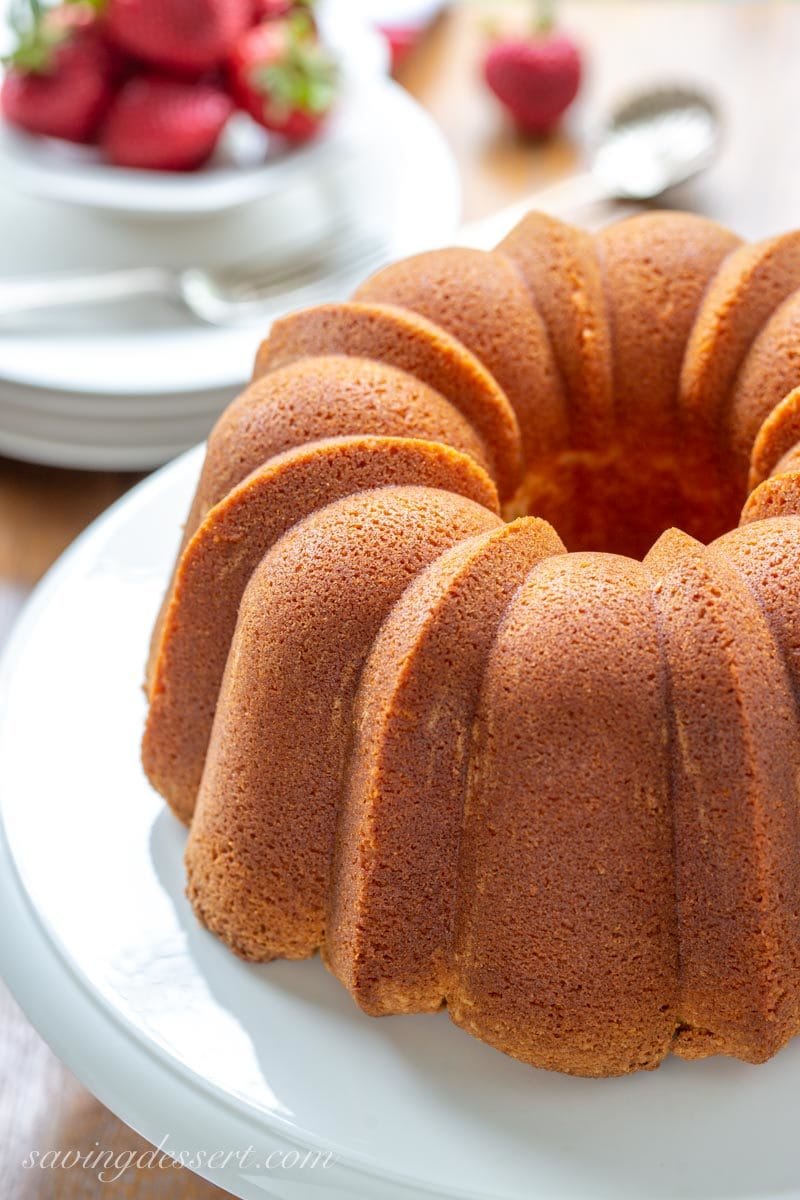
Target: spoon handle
x,y
562,198
57,291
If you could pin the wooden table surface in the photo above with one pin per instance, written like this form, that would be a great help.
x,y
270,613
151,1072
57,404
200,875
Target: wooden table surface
x,y
747,55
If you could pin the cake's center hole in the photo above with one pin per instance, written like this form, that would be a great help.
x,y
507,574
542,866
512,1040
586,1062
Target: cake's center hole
x,y
622,503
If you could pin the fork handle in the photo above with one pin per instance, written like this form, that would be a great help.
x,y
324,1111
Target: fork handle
x,y
28,294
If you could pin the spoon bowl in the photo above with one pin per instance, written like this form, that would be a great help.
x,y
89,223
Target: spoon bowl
x,y
655,141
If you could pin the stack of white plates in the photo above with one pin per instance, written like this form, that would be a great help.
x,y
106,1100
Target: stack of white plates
x,y
129,386
103,432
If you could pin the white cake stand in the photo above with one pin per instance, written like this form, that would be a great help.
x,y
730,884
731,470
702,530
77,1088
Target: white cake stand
x,y
188,1044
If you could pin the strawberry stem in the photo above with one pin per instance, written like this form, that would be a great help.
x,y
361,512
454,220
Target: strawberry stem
x,y
34,41
544,17
39,31
306,78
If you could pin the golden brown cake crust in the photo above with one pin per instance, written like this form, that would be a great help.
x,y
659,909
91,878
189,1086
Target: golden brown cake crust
x,y
218,562
789,462
304,402
778,437
778,496
767,555
555,791
479,298
390,932
326,397
565,935
734,809
749,286
417,346
559,265
770,371
261,842
656,268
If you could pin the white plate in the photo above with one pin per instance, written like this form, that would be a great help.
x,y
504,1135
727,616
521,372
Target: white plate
x,y
400,181
247,164
133,436
183,1040
100,407
122,456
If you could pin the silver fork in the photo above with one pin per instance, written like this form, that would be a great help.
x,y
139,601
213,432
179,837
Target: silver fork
x,y
237,294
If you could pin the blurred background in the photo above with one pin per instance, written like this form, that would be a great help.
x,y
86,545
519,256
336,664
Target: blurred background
x,y
157,213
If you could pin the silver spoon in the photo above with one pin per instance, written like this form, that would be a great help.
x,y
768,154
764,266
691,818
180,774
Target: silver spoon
x,y
653,142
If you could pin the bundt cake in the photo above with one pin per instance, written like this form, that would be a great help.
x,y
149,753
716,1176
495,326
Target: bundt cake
x,y
443,692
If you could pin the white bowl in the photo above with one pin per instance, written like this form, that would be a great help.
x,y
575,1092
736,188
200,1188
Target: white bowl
x,y
247,165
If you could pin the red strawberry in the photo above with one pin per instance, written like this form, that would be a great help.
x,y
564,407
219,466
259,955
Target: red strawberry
x,y
164,124
61,77
283,77
536,78
401,39
184,36
271,10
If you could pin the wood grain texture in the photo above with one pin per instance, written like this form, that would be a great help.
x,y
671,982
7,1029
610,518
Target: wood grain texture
x,y
747,55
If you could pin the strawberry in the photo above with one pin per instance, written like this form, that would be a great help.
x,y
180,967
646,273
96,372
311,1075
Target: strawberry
x,y
165,124
537,77
274,10
271,10
61,77
401,40
186,37
283,77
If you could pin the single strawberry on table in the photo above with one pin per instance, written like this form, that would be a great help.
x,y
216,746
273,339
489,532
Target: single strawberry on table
x,y
281,74
165,124
181,36
535,77
60,79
